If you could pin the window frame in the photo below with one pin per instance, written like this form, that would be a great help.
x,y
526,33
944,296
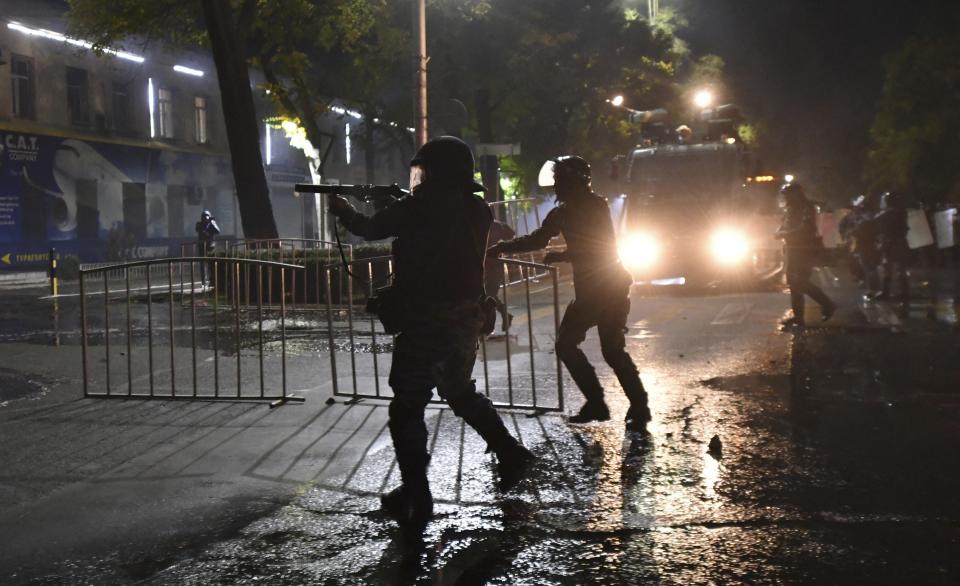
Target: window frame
x,y
16,79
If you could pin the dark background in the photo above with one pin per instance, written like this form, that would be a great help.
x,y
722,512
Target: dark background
x,y
810,72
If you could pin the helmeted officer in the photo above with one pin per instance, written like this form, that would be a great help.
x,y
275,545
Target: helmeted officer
x,y
892,227
441,235
803,246
207,231
601,286
859,228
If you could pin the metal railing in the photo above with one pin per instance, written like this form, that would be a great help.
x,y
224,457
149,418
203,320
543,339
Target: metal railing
x,y
515,370
192,331
305,289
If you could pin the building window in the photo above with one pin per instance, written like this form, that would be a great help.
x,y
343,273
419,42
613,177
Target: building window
x,y
165,111
200,118
121,108
21,76
78,96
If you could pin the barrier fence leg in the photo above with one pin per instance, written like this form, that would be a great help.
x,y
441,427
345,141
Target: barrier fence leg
x,y
83,336
150,328
126,278
330,339
173,372
106,324
506,337
533,370
556,333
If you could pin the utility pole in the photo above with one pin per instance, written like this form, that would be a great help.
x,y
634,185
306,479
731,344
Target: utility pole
x,y
422,73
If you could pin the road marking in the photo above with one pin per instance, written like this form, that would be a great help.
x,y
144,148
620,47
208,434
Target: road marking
x,y
732,313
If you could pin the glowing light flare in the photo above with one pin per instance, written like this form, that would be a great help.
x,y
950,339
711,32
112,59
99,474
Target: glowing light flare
x,y
617,101
347,145
638,250
729,246
788,178
268,143
703,98
150,107
55,36
188,70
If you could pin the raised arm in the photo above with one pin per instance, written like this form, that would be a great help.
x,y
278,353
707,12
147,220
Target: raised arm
x,y
537,239
383,224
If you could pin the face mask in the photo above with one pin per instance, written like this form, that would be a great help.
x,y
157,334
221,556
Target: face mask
x,y
416,176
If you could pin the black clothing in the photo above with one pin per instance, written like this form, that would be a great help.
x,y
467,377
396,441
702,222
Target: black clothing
x,y
803,247
602,289
207,231
591,246
440,243
439,251
893,228
859,227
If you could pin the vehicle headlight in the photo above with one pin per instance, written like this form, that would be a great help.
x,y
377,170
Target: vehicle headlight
x,y
729,246
639,250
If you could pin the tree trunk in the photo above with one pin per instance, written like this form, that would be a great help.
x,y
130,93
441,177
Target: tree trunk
x,y
243,128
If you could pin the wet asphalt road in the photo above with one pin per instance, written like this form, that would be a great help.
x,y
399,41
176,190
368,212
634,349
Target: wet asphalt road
x,y
836,465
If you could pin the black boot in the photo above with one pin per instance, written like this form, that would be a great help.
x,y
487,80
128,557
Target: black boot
x,y
512,465
595,410
638,415
412,509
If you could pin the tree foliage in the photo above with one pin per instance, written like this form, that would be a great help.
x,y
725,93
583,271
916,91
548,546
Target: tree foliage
x,y
310,51
916,131
546,68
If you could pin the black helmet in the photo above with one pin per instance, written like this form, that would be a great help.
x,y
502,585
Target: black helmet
x,y
572,167
891,199
447,161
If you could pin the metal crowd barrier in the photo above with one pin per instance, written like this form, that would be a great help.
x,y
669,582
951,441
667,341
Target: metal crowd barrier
x,y
306,289
515,370
129,340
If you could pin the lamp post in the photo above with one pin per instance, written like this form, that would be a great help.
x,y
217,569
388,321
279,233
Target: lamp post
x,y
422,73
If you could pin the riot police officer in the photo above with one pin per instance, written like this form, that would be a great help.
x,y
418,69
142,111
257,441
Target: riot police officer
x,y
440,235
601,286
803,246
207,231
893,228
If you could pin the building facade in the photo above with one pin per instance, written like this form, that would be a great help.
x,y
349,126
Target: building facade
x,y
114,156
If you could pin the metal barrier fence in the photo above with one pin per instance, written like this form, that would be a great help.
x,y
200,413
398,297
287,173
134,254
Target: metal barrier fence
x,y
194,333
511,375
306,289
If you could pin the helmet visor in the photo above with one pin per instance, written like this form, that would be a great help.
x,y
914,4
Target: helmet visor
x,y
416,176
545,178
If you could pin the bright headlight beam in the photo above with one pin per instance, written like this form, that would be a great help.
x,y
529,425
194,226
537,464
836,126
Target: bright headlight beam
x,y
55,36
729,246
639,250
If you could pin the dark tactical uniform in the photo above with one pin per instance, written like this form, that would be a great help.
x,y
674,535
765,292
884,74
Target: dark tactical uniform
x,y
441,234
207,231
860,229
892,226
602,298
803,246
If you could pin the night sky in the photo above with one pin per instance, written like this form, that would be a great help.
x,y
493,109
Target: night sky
x,y
811,71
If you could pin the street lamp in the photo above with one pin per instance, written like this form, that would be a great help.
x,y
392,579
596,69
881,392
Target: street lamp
x,y
703,98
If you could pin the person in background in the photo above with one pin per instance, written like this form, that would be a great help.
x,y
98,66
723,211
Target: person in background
x,y
892,227
803,246
493,271
207,231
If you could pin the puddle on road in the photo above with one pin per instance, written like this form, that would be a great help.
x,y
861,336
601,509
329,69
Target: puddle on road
x,y
15,386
